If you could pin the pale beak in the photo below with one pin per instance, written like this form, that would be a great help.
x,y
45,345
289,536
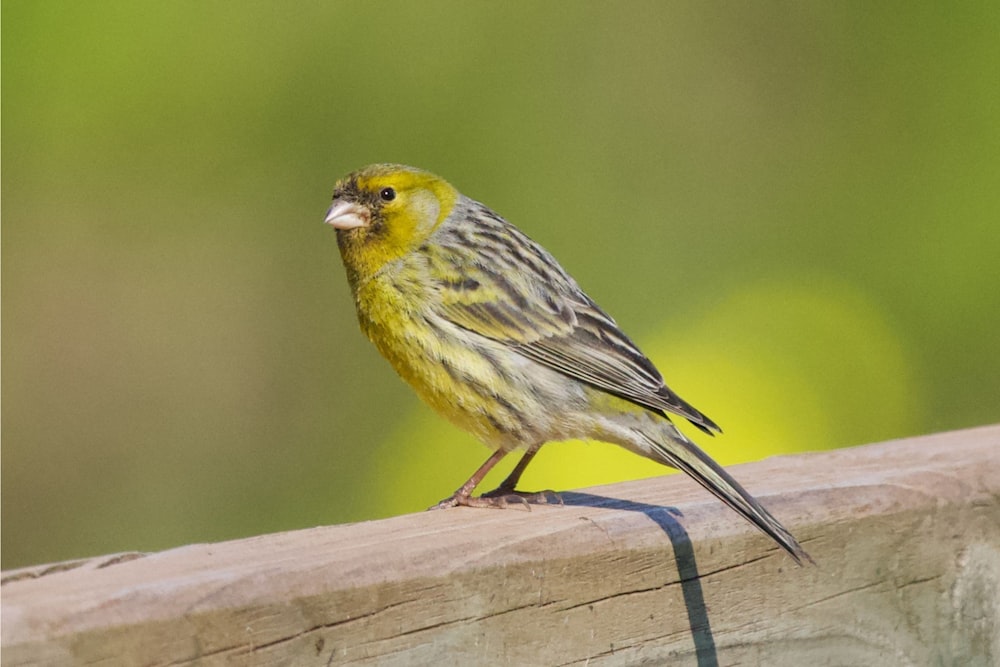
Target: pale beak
x,y
347,215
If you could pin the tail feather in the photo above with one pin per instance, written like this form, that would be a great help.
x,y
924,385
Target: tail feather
x,y
684,455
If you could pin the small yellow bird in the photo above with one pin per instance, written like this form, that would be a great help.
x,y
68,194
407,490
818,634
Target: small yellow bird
x,y
494,335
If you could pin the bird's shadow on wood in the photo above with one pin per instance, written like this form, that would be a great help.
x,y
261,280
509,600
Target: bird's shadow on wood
x,y
687,568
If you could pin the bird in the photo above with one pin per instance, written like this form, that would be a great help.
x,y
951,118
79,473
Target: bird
x,y
494,335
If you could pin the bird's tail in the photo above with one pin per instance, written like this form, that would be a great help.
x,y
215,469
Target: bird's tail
x,y
684,455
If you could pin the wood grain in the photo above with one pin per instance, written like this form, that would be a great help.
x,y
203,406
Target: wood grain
x,y
906,535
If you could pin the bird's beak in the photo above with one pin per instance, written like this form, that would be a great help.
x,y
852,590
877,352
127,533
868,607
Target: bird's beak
x,y
347,215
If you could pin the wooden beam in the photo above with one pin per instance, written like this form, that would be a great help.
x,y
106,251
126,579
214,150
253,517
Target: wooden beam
x,y
906,536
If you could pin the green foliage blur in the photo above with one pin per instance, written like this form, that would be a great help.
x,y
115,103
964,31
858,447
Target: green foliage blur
x,y
793,207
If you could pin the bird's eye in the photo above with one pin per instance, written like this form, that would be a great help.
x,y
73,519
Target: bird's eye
x,y
387,194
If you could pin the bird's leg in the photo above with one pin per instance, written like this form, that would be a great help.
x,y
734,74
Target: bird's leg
x,y
508,487
463,496
504,494
510,484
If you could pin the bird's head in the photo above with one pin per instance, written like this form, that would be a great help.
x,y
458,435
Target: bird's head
x,y
385,211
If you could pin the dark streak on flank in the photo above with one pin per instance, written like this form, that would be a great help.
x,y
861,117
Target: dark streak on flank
x,y
495,423
484,392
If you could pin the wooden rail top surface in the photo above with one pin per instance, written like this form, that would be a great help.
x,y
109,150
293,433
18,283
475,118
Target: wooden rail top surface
x,y
905,534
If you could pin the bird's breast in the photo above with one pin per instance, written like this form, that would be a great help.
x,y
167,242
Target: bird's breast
x,y
482,386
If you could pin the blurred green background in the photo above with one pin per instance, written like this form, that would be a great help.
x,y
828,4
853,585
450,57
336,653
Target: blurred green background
x,y
793,207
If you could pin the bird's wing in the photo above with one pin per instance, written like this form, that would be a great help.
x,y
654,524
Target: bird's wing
x,y
530,304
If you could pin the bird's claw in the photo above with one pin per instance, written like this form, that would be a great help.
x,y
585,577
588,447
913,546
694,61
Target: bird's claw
x,y
444,504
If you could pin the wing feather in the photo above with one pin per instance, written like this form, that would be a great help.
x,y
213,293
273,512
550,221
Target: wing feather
x,y
491,283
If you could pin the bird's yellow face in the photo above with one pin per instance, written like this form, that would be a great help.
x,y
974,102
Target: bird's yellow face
x,y
385,211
